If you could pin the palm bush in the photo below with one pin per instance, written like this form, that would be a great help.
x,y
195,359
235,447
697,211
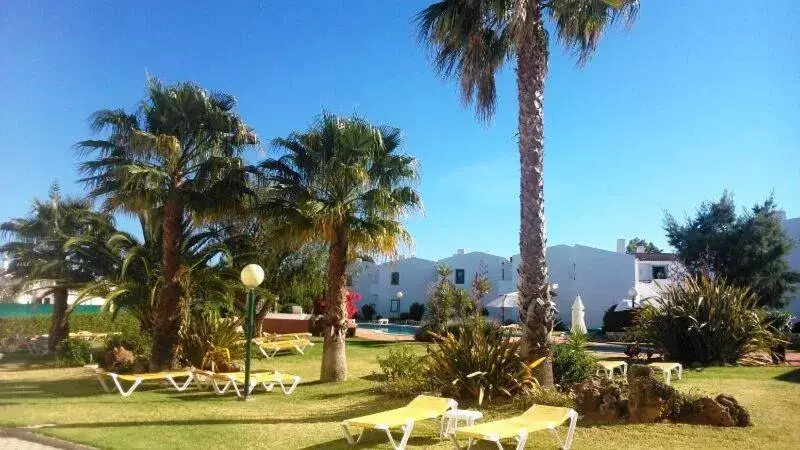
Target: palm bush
x,y
212,343
480,363
73,352
705,320
571,362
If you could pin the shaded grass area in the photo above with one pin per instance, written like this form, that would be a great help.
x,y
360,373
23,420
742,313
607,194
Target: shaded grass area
x,y
35,392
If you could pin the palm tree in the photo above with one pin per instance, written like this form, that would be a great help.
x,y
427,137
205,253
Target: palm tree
x,y
471,40
344,183
178,154
40,262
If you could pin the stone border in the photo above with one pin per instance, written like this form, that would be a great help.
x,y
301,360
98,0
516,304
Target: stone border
x,y
30,436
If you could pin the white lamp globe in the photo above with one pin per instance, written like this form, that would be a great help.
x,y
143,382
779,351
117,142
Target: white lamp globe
x,y
252,275
399,295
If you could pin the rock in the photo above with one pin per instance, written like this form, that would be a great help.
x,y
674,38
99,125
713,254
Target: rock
x,y
722,411
650,400
599,400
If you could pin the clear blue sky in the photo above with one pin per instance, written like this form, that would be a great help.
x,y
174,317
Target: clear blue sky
x,y
697,97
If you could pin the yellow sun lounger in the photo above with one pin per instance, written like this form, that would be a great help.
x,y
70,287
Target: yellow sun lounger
x,y
537,418
666,368
284,337
608,368
423,407
267,379
271,348
137,379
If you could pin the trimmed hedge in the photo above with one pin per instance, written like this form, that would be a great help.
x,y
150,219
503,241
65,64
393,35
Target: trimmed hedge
x,y
617,321
98,323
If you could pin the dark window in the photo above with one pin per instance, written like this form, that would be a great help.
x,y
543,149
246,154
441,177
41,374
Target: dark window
x,y
394,306
349,280
659,272
395,278
459,276
502,273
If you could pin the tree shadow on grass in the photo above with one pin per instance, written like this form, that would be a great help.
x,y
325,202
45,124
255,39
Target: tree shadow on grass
x,y
373,438
793,376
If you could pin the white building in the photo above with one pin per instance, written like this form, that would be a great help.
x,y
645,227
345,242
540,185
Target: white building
x,y
792,228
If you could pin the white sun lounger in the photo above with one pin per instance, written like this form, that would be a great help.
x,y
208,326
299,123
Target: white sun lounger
x,y
608,368
667,368
266,379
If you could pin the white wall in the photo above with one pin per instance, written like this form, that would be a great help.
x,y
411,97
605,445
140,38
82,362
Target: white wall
x,y
792,228
373,282
496,268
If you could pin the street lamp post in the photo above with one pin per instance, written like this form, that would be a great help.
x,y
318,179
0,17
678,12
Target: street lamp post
x,y
252,275
399,297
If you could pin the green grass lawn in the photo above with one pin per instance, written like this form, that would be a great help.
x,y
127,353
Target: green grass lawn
x,y
33,392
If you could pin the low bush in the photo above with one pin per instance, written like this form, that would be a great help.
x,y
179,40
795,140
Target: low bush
x,y
138,343
94,322
212,343
416,311
73,352
404,373
119,360
543,396
705,320
367,312
617,321
559,325
480,363
571,362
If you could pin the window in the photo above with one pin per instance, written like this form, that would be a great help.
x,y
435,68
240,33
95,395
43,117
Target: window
x,y
459,276
503,273
395,278
349,281
659,272
394,306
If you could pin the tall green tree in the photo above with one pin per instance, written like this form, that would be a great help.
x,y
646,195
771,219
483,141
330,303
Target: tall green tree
x,y
344,183
471,41
748,250
636,242
40,263
178,154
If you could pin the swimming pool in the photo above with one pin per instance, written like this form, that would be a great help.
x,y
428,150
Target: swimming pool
x,y
404,330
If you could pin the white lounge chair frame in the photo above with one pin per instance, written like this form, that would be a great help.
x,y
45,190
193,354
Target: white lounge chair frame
x,y
623,366
127,393
256,379
678,368
407,428
522,437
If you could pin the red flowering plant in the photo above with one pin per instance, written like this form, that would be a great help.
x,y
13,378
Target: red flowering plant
x,y
352,299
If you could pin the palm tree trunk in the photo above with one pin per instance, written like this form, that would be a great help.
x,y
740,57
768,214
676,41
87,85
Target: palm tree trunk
x,y
167,312
59,328
537,315
334,360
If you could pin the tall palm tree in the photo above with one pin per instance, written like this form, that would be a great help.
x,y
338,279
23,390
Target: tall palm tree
x,y
344,183
41,263
180,154
471,40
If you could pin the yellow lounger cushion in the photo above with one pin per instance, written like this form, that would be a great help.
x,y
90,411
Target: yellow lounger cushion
x,y
421,408
288,344
151,376
537,418
259,375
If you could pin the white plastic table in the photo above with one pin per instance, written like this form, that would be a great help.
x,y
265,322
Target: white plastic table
x,y
383,321
454,416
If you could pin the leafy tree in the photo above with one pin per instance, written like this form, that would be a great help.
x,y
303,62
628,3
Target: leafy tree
x,y
343,183
636,242
179,155
472,39
748,250
481,285
39,261
441,303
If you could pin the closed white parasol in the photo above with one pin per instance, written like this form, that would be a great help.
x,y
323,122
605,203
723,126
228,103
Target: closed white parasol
x,y
578,322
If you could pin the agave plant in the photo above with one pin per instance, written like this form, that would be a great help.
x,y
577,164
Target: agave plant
x,y
212,342
480,363
705,320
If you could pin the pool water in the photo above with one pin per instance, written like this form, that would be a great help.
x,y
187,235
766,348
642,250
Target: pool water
x,y
404,330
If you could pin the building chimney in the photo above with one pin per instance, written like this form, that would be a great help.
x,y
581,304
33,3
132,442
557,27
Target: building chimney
x,y
620,245
640,249
460,251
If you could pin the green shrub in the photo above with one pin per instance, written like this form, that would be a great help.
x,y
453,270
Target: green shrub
x,y
367,312
543,396
705,320
416,311
404,373
73,352
119,360
401,362
212,343
559,325
617,321
571,362
138,343
480,363
94,322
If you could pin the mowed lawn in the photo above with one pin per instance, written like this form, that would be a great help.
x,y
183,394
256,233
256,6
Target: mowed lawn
x,y
69,404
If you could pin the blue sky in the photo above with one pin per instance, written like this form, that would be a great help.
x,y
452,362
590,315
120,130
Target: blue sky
x,y
694,99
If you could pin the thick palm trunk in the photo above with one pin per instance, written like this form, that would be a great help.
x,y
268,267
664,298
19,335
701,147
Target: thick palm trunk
x,y
537,315
334,360
59,328
167,312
